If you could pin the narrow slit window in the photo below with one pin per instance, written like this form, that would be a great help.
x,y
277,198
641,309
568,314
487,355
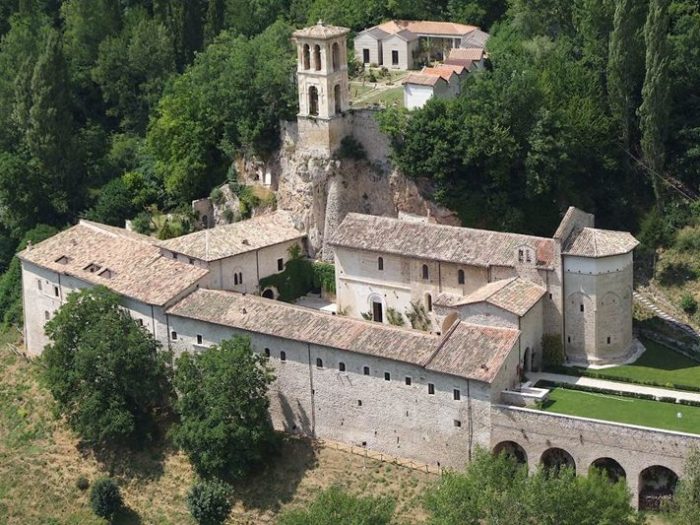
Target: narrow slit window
x,y
387,376
456,394
460,277
280,265
173,335
408,381
56,292
380,263
365,370
319,362
426,272
200,339
283,355
581,307
609,339
341,366
38,284
431,389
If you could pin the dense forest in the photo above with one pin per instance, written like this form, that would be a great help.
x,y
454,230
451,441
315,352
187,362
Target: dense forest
x,y
111,109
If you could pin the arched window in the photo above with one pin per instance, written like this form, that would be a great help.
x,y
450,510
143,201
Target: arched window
x,y
380,263
338,101
317,57
313,100
426,273
319,362
460,277
283,355
235,279
336,56
306,56
429,302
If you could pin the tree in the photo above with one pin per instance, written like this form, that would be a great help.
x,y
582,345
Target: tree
x,y
104,370
114,205
686,501
222,402
214,21
105,498
495,490
653,113
334,506
209,502
626,67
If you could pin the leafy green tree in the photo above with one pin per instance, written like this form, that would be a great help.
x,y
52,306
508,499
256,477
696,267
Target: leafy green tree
x,y
105,498
11,280
685,508
653,113
334,506
357,15
209,502
222,402
104,370
626,67
132,69
495,490
214,21
114,205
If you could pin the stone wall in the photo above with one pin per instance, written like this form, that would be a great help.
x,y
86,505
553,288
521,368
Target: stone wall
x,y
586,440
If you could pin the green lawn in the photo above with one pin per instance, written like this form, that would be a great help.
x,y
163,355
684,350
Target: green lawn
x,y
642,412
658,364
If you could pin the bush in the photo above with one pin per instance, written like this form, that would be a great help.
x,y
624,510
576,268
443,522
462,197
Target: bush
x,y
689,304
209,502
105,498
394,317
688,240
350,148
552,350
217,196
82,483
142,223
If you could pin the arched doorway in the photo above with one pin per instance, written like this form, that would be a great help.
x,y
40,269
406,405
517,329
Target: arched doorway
x,y
512,449
313,100
306,56
611,468
317,57
336,97
269,293
336,56
554,459
657,485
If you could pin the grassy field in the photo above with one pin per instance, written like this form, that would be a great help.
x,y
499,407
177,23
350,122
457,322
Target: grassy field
x,y
660,364
41,460
624,410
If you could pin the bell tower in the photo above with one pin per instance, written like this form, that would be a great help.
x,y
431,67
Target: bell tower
x,y
322,80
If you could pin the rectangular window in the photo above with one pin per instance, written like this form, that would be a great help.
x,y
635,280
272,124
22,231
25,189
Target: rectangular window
x,y
408,381
456,394
609,339
365,56
520,256
200,339
568,339
280,265
55,291
431,389
387,376
47,315
38,283
173,335
140,322
457,423
359,402
365,370
394,58
581,308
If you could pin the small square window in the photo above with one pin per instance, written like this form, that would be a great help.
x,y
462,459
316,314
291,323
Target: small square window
x,y
280,265
319,362
457,423
365,370
456,394
431,389
173,335
174,256
408,381
200,339
387,376
359,402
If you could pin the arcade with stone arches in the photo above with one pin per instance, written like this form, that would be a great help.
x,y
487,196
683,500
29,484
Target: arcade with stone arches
x,y
651,485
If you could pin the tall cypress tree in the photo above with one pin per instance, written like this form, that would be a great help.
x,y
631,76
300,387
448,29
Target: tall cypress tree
x,y
50,130
215,20
626,67
653,113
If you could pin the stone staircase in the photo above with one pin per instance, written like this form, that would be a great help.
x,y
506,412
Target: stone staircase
x,y
649,303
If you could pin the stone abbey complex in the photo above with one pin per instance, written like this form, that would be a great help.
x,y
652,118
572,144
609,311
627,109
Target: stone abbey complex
x,y
479,305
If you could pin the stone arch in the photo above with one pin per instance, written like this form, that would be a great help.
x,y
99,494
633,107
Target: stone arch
x,y
317,57
377,307
338,99
513,449
335,54
447,323
306,56
611,468
554,459
270,293
313,100
657,484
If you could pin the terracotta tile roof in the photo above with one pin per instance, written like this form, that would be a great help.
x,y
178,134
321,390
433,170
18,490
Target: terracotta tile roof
x,y
592,242
472,53
466,64
457,68
439,242
514,295
460,352
476,38
321,31
445,73
126,262
475,352
427,27
422,79
233,239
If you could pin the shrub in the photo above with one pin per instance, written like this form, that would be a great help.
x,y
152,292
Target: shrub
x,y
689,304
552,350
105,498
688,240
418,315
82,483
324,276
142,223
350,148
229,215
248,201
209,502
394,317
217,196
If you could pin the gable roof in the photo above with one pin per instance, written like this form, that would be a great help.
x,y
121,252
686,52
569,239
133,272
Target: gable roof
x,y
443,72
466,64
593,242
476,38
421,79
439,242
456,68
375,32
461,351
126,262
233,239
514,295
471,53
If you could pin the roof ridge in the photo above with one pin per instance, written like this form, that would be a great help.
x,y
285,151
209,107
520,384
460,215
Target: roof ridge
x,y
441,343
